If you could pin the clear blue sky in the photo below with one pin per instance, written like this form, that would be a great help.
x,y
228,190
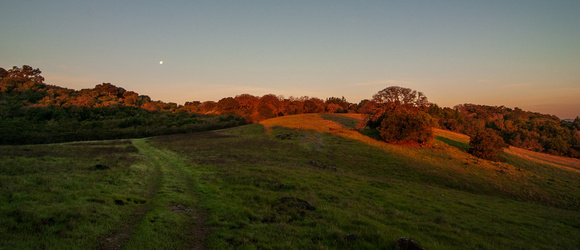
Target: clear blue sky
x,y
515,53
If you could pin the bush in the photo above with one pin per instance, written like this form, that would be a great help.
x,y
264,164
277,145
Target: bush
x,y
486,144
404,126
398,115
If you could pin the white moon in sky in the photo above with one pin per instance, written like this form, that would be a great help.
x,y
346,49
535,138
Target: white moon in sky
x,y
160,62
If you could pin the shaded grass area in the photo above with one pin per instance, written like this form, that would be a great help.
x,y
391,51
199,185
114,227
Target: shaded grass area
x,y
70,195
97,195
456,144
346,120
456,140
366,194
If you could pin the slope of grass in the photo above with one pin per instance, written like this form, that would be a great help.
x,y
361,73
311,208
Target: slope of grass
x,y
366,194
307,181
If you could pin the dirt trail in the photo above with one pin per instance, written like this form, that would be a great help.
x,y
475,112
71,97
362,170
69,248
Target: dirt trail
x,y
174,205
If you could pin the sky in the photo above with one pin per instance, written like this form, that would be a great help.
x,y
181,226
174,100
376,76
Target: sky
x,y
514,53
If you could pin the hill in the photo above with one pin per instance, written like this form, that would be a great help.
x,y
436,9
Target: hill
x,y
304,181
34,112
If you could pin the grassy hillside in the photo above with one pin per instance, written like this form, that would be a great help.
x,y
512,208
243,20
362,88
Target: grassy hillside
x,y
306,181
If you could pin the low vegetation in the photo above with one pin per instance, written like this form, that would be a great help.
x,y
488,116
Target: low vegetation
x,y
307,181
33,125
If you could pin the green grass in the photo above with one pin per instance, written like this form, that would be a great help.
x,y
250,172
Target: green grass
x,y
456,144
379,192
174,220
52,196
230,189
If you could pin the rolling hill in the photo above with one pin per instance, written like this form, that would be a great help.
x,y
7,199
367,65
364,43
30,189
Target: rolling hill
x,y
303,181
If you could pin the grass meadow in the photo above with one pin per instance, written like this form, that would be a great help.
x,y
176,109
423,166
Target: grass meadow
x,y
307,181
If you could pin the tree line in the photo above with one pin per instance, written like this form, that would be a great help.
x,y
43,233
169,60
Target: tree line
x,y
403,115
519,128
34,112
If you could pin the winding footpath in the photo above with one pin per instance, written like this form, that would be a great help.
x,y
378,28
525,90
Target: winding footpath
x,y
174,218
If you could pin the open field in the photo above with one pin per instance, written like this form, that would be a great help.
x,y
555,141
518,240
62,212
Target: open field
x,y
306,181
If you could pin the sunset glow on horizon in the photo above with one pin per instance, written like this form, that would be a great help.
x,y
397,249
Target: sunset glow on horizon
x,y
518,54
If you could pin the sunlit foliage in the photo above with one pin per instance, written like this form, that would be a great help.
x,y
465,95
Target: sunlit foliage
x,y
486,144
397,114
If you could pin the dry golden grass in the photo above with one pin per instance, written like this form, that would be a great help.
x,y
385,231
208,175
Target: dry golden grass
x,y
566,163
344,125
337,124
452,135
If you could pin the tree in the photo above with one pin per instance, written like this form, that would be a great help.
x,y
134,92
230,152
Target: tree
x,y
108,90
26,73
334,108
20,79
342,102
227,105
247,102
131,99
406,126
273,103
396,113
314,105
265,111
207,107
3,73
295,107
365,106
486,144
400,96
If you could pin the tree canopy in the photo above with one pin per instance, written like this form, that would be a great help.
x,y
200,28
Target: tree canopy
x,y
486,144
400,96
397,114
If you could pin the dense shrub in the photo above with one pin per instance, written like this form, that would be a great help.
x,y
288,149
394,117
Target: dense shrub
x,y
486,144
405,126
397,114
